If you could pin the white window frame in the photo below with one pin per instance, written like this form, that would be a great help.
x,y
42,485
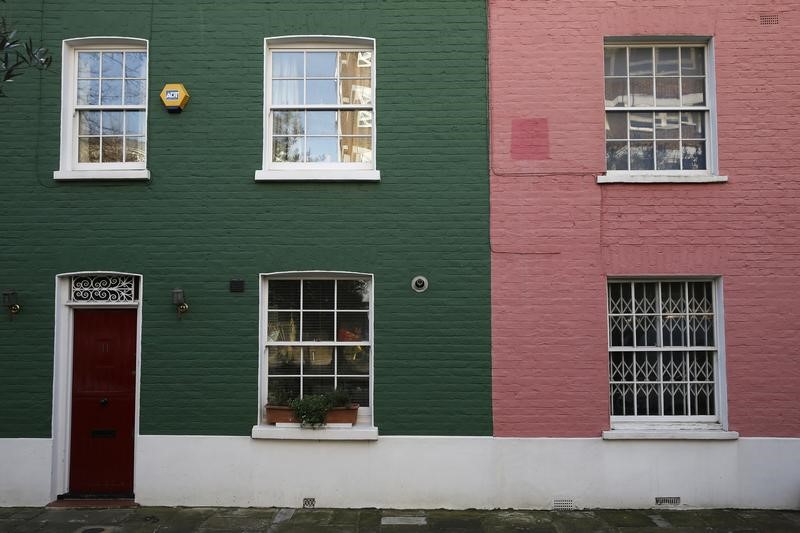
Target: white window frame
x,y
711,173
700,427
69,167
276,171
365,428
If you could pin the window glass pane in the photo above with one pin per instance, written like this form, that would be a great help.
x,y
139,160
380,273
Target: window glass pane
x,y
641,125
318,360
352,360
616,125
701,398
135,64
283,326
112,65
287,64
88,92
89,150
617,155
693,61
134,92
667,92
694,91
317,385
356,149
111,92
357,388
616,92
616,62
693,125
353,326
318,294
321,149
355,64
667,126
641,61
112,149
112,122
701,299
134,122
322,123
135,148
666,61
287,149
288,122
283,294
356,92
88,64
668,155
641,91
317,326
620,330
701,330
281,390
321,91
694,155
88,122
283,360
645,298
641,155
355,122
321,64
287,92
352,294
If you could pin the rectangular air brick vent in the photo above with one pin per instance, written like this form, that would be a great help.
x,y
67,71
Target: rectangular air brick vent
x,y
309,503
563,504
768,20
668,500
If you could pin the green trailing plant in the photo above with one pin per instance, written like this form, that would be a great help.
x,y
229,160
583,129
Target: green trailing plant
x,y
311,410
340,398
16,56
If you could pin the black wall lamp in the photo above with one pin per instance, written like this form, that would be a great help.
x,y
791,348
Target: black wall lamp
x,y
10,301
179,301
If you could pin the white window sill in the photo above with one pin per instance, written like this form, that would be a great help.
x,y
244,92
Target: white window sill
x,y
668,431
318,175
139,174
651,178
357,432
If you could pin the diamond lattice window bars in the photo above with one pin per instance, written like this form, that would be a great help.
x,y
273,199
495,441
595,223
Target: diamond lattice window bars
x,y
662,351
103,288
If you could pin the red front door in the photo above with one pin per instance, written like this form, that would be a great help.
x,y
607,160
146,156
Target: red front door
x,y
103,400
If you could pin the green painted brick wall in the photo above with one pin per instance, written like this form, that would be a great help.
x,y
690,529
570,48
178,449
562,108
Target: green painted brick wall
x,y
202,219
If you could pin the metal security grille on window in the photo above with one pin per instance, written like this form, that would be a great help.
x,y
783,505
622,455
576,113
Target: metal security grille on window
x,y
318,338
321,106
110,106
657,110
103,289
662,352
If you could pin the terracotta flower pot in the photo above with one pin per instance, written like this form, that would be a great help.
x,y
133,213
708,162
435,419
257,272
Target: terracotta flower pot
x,y
279,414
342,415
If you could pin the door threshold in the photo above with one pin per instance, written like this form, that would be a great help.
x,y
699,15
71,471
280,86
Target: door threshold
x,y
68,502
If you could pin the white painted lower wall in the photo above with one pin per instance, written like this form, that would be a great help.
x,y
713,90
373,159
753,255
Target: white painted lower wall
x,y
466,472
435,472
25,467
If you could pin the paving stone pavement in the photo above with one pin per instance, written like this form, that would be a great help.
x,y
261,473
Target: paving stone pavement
x,y
271,520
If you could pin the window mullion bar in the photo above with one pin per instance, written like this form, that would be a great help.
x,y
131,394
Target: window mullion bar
x,y
300,336
335,313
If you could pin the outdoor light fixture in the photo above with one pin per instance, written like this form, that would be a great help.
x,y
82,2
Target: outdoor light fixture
x,y
179,301
10,301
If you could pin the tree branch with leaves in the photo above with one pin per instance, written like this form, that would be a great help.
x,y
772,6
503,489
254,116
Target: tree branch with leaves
x,y
17,56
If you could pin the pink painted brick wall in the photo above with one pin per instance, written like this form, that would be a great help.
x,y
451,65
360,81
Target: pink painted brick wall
x,y
557,235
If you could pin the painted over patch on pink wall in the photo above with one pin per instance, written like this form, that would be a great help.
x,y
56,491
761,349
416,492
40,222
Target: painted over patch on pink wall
x,y
557,235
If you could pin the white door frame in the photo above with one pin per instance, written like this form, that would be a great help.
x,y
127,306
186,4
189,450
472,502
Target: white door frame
x,y
62,371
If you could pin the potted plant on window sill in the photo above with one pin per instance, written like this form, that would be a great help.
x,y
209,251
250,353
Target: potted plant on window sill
x,y
313,410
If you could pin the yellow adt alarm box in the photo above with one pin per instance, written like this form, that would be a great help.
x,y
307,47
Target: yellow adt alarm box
x,y
174,96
